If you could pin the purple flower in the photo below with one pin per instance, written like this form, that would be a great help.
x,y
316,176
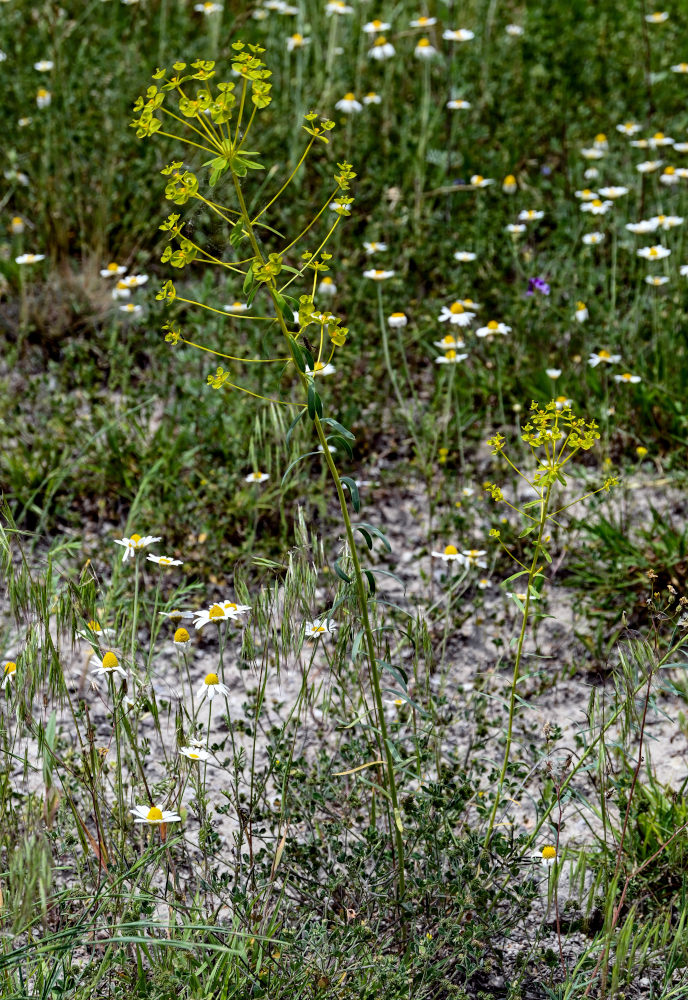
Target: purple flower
x,y
537,285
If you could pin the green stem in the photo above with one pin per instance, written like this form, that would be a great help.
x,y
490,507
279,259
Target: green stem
x,y
358,575
544,504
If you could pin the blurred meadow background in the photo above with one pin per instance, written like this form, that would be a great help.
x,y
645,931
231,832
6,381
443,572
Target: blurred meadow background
x,y
343,544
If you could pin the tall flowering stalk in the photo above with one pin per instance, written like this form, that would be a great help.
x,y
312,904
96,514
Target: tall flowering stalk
x,y
555,436
216,119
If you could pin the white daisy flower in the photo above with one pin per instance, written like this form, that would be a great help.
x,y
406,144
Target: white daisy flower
x,y
43,98
397,320
657,17
164,560
297,41
627,377
514,30
670,176
644,226
450,343
684,270
44,65
464,256
655,281
679,68
647,166
194,753
135,543
530,215
338,7
208,8
176,616
113,270
611,359
592,239
478,181
374,247
492,328
349,104
456,315
378,275
423,22
327,286
474,557
131,309
458,35
597,206
586,194
211,687
553,373
382,49
318,627
629,128
516,228
9,671
320,369
108,666
372,98
581,312
154,816
181,636
224,611
653,253
450,554
424,50
450,358
458,104
29,258
547,856
256,477
592,153
375,27
236,307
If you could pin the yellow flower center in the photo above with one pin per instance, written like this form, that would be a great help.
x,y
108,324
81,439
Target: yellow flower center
x,y
216,612
317,367
381,40
605,355
423,43
319,628
181,635
473,553
297,38
669,170
509,179
653,252
448,340
658,135
110,661
478,179
112,267
627,376
451,550
212,679
450,355
154,814
596,202
661,218
10,667
549,852
398,315
192,755
349,97
135,538
493,325
377,23
601,137
422,20
42,92
456,308
94,626
580,305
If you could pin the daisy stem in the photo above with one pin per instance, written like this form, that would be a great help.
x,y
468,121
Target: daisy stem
x,y
392,374
544,506
135,619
